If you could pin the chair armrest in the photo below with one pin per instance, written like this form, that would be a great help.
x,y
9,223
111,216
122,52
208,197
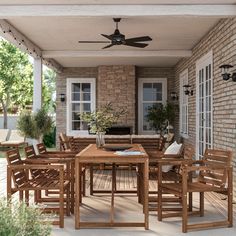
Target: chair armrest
x,y
33,167
46,161
174,161
58,155
206,168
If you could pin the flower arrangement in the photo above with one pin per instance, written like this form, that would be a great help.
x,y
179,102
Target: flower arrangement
x,y
102,119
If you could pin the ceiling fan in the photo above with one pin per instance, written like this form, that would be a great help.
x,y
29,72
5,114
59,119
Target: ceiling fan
x,y
119,39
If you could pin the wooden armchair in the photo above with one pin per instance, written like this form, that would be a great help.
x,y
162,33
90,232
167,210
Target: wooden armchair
x,y
64,155
215,175
67,143
18,171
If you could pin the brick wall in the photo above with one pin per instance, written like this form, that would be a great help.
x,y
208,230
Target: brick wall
x,y
116,84
222,41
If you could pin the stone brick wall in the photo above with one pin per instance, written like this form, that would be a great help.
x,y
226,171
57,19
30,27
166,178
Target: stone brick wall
x,y
222,41
116,84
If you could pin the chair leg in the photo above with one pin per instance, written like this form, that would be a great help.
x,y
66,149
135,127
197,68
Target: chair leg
x,y
68,201
21,195
184,213
190,201
159,203
61,209
201,203
27,197
84,182
91,180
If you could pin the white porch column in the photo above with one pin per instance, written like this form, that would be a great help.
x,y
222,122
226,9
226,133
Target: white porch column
x,y
37,92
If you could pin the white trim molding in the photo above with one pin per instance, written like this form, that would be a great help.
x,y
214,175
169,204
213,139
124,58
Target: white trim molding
x,y
118,10
128,53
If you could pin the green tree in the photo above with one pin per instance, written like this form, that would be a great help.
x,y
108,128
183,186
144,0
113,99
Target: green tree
x,y
15,74
49,90
16,81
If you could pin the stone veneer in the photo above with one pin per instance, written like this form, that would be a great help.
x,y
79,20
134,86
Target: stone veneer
x,y
116,84
222,41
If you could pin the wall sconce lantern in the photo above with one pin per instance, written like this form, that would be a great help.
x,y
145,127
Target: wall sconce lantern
x,y
187,90
225,72
174,96
62,97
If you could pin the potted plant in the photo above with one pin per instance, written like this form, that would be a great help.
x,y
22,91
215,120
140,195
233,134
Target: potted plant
x,y
161,116
18,219
35,125
102,119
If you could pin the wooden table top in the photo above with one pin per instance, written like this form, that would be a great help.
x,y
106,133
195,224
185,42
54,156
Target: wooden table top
x,y
92,154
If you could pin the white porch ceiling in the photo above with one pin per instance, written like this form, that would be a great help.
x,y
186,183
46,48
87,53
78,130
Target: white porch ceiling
x,y
54,27
53,34
36,2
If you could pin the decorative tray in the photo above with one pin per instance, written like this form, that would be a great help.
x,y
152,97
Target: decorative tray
x,y
113,147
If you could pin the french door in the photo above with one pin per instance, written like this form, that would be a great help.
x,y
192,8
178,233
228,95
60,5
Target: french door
x,y
151,92
204,110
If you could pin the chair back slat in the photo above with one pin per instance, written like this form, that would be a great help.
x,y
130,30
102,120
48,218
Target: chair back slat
x,y
216,178
188,152
41,148
29,152
19,176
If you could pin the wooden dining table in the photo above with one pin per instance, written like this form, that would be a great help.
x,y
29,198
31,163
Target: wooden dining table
x,y
92,155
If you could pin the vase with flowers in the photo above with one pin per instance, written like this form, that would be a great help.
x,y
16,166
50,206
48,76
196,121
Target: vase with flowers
x,y
101,120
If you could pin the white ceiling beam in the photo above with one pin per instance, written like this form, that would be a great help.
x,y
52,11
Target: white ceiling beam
x,y
14,36
95,54
9,11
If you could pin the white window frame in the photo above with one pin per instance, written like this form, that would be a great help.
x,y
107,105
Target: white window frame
x,y
140,98
69,82
183,79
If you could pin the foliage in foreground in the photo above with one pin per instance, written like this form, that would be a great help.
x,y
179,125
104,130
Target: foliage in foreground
x,y
103,118
21,220
35,125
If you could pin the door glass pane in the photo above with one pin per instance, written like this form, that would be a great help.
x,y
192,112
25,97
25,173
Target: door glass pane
x,y
147,92
75,96
86,87
75,87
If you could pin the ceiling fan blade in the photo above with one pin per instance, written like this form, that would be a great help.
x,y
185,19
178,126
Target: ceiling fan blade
x,y
108,46
138,45
139,39
94,41
107,36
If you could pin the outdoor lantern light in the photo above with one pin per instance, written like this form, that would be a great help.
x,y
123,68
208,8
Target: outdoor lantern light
x,y
174,96
187,90
225,72
62,97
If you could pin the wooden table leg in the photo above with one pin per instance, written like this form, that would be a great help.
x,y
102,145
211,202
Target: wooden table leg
x,y
77,194
145,194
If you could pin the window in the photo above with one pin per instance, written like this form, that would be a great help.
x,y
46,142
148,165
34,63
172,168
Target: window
x,y
80,98
183,105
151,92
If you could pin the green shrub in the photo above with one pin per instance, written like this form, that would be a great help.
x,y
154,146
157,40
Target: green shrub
x,y
17,219
50,139
34,125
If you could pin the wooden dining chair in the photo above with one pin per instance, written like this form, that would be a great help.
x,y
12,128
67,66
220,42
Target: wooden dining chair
x,y
42,150
214,174
18,173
